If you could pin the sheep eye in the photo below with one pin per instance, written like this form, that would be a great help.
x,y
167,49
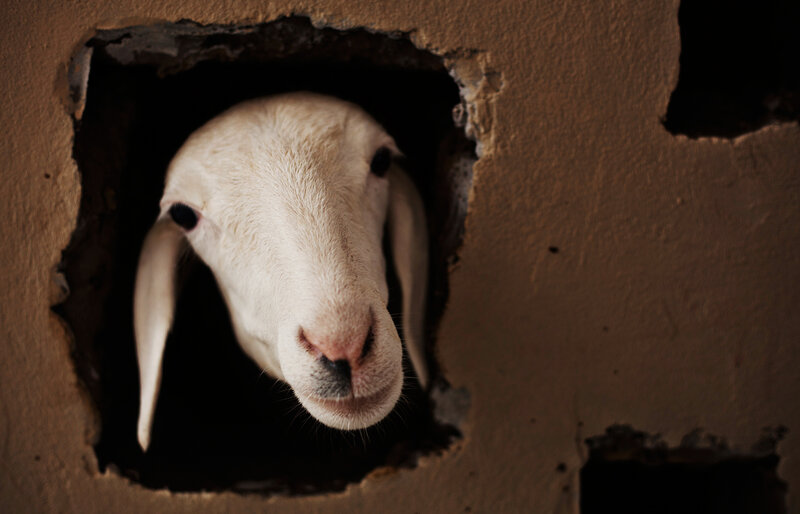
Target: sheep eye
x,y
381,161
183,215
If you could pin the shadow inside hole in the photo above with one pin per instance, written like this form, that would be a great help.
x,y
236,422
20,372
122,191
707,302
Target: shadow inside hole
x,y
629,472
738,67
220,423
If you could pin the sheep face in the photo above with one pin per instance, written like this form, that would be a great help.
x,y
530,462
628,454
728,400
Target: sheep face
x,y
283,200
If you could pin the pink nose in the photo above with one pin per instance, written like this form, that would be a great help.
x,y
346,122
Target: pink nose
x,y
342,350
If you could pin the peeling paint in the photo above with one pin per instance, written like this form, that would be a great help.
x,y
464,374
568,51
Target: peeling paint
x,y
78,77
480,84
624,442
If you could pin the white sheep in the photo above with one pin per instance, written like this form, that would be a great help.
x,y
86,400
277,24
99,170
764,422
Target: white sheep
x,y
285,199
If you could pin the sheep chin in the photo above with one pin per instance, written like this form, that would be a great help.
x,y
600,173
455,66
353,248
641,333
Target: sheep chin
x,y
353,413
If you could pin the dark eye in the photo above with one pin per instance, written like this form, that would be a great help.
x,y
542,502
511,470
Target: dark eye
x,y
183,215
381,161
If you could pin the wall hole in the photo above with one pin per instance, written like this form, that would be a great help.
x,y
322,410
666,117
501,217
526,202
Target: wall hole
x,y
221,424
738,67
632,472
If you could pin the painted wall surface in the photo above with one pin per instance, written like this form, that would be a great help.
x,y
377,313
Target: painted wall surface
x,y
671,304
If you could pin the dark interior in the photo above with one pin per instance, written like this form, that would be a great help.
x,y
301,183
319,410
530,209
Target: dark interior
x,y
220,423
738,67
629,472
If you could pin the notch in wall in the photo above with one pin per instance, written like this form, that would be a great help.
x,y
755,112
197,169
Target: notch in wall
x,y
136,94
738,67
629,471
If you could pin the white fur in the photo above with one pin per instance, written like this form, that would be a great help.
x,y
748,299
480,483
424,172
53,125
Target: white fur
x,y
291,224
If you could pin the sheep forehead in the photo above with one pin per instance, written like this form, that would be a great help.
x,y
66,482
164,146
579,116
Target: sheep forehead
x,y
276,146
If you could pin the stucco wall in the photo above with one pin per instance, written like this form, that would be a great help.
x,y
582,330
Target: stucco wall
x,y
669,306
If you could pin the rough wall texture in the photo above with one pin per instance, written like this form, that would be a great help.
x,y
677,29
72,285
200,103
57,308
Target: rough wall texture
x,y
670,304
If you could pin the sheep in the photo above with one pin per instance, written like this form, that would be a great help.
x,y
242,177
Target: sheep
x,y
285,198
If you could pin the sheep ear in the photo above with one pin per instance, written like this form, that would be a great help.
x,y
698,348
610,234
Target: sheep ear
x,y
409,243
153,306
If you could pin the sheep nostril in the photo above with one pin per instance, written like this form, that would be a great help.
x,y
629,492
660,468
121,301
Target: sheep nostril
x,y
369,341
308,345
340,367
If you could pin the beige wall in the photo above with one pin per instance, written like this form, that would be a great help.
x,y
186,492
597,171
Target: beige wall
x,y
688,251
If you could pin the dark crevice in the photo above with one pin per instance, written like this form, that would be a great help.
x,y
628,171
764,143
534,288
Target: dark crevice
x,y
738,67
220,423
632,472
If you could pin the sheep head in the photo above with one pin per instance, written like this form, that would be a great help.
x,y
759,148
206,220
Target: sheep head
x,y
285,199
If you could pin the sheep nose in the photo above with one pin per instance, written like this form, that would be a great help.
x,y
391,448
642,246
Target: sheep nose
x,y
340,368
340,355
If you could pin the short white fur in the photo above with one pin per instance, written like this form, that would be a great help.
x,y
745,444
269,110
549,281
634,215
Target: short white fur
x,y
290,221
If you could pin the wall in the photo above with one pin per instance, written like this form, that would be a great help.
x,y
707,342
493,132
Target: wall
x,y
669,305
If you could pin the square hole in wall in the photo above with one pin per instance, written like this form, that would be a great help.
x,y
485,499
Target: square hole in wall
x,y
738,67
630,472
220,423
